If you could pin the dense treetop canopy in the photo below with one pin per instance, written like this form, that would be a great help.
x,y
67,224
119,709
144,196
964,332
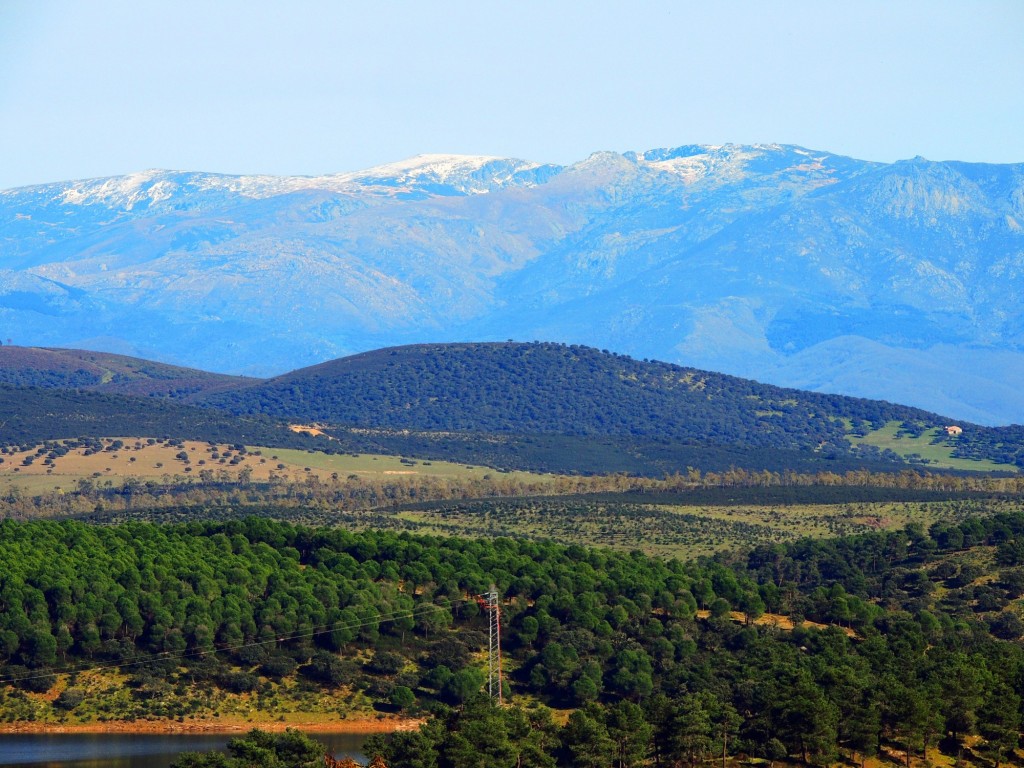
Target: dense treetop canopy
x,y
541,406
623,637
554,388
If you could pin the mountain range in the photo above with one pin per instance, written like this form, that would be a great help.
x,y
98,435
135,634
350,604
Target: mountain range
x,y
900,281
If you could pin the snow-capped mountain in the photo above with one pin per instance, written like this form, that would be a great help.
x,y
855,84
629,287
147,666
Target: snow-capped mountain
x,y
900,281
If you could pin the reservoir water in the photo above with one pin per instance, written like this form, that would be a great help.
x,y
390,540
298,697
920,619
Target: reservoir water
x,y
123,750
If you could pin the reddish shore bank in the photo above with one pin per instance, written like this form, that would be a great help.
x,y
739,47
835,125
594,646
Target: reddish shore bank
x,y
220,725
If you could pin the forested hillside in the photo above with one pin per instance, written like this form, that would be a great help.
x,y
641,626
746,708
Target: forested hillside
x,y
538,406
556,389
916,644
653,416
31,415
105,372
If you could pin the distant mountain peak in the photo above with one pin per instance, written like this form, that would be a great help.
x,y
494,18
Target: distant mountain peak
x,y
427,174
439,166
464,174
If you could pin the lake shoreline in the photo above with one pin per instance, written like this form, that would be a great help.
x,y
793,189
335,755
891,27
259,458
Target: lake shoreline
x,y
219,725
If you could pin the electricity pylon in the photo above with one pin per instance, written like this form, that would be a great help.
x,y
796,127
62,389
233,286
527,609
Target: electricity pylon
x,y
493,607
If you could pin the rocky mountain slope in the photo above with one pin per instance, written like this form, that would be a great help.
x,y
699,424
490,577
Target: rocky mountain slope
x,y
899,281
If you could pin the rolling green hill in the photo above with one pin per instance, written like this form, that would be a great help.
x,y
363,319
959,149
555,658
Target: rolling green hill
x,y
261,620
106,372
31,415
537,406
542,388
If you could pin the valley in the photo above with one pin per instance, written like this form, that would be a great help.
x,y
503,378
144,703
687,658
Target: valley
x,y
185,552
683,516
569,442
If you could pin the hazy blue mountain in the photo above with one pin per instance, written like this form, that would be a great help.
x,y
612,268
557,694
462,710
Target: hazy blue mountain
x,y
900,281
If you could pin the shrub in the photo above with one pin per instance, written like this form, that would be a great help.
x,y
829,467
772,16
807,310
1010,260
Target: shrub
x,y
238,682
69,699
402,697
277,667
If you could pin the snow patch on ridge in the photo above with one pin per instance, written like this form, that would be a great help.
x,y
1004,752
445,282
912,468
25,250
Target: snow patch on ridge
x,y
259,186
468,174
460,174
695,162
124,191
435,165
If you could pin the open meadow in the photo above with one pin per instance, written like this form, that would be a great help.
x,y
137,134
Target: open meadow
x,y
114,460
922,449
680,530
117,479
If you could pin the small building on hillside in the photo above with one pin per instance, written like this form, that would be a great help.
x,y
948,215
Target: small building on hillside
x,y
953,430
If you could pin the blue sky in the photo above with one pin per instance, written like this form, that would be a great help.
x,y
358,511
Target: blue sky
x,y
107,87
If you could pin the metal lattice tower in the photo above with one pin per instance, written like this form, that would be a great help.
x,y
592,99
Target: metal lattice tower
x,y
493,606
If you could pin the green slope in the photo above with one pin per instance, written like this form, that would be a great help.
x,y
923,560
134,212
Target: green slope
x,y
931,448
538,406
545,388
106,372
30,415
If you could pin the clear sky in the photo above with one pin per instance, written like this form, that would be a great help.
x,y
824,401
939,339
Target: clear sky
x,y
106,87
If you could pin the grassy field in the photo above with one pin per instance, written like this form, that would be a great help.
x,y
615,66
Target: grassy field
x,y
678,531
936,456
684,526
143,461
108,698
682,531
370,466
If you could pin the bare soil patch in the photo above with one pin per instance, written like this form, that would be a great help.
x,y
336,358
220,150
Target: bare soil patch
x,y
221,725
